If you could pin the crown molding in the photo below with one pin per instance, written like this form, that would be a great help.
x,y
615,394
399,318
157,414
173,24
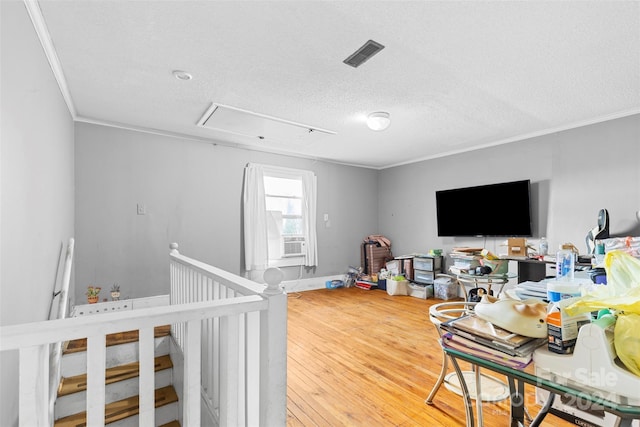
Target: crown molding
x,y
33,9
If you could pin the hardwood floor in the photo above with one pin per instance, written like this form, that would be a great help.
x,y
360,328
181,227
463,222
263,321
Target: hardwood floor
x,y
364,358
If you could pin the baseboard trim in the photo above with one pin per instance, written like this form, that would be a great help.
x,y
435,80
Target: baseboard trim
x,y
309,284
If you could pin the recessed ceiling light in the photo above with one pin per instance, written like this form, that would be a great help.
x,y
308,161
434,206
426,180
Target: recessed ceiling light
x,y
182,75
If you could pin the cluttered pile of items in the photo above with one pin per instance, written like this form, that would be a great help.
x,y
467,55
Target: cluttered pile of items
x,y
478,333
477,261
374,253
586,336
412,275
371,274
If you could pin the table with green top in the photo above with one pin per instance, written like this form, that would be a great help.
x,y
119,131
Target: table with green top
x,y
518,378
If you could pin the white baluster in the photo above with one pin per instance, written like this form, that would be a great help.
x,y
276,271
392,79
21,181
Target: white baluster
x,y
96,363
147,377
34,386
192,374
229,370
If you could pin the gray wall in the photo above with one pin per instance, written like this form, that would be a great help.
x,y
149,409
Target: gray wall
x,y
193,193
36,187
574,174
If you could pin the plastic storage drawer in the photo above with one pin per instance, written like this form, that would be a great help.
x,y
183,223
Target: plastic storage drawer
x,y
426,277
427,264
420,291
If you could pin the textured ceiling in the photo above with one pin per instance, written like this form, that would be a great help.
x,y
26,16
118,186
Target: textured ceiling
x,y
454,76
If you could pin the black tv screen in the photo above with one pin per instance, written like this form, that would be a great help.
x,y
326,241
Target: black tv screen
x,y
502,209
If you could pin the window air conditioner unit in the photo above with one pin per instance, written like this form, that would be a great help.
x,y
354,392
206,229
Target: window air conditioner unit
x,y
292,246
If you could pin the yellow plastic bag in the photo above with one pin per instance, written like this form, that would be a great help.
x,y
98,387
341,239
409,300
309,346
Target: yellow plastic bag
x,y
626,340
621,294
622,291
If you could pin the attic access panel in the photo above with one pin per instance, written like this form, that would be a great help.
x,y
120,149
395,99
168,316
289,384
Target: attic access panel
x,y
262,127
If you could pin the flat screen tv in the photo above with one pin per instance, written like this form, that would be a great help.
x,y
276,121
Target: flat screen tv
x,y
502,209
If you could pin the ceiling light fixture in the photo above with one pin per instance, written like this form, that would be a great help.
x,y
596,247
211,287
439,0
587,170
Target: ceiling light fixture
x,y
182,75
378,121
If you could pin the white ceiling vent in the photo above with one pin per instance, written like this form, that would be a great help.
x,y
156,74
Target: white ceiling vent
x,y
363,54
254,125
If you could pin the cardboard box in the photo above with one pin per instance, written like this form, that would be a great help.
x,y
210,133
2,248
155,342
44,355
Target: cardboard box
x,y
563,330
498,266
579,412
517,246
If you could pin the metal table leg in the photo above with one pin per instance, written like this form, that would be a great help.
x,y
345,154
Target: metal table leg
x,y
468,409
517,402
544,411
443,373
479,398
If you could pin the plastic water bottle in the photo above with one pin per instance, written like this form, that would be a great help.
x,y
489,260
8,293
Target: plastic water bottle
x,y
565,265
543,247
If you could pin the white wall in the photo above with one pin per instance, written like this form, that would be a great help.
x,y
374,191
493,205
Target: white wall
x,y
36,188
574,174
193,193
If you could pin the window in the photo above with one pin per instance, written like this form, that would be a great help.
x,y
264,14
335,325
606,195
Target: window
x,y
279,217
285,219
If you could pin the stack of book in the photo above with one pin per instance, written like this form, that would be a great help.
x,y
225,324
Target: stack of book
x,y
473,335
465,259
528,289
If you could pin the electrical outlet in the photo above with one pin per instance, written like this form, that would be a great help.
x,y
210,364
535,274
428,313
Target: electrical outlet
x,y
326,217
142,209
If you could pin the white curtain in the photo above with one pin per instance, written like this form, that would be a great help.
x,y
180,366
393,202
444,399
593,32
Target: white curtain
x,y
310,189
255,219
255,215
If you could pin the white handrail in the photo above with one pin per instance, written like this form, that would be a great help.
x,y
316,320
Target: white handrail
x,y
238,284
33,340
15,337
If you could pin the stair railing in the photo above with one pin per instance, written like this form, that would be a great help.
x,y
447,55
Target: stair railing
x,y
32,340
252,351
61,297
244,356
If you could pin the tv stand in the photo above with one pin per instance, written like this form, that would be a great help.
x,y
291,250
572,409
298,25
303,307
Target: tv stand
x,y
530,269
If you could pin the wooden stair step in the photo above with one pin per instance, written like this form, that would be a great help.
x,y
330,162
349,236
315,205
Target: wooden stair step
x,y
171,424
78,345
78,383
121,409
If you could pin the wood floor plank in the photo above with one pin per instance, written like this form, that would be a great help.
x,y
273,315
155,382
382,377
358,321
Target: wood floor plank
x,y
365,358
